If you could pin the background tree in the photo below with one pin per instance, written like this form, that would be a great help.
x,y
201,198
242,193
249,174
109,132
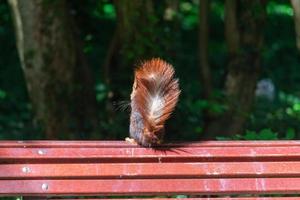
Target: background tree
x,y
203,47
205,68
296,8
244,22
57,76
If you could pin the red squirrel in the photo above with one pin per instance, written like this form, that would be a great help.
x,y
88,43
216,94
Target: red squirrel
x,y
154,96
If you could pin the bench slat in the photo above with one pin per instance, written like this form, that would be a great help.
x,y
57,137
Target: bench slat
x,y
151,170
179,154
92,168
105,144
150,186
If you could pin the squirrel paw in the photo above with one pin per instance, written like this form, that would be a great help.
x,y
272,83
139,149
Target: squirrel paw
x,y
130,140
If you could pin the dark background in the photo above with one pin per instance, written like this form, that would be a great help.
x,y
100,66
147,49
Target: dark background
x,y
79,57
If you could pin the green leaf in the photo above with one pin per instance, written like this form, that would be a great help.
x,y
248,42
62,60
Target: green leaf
x,y
109,10
250,135
267,134
290,134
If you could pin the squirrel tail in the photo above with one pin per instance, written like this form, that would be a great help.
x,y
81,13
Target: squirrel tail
x,y
155,93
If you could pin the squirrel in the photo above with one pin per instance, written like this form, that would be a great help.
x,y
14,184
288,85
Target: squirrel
x,y
154,96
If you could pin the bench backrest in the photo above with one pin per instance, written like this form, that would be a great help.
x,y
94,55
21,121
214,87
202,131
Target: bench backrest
x,y
83,168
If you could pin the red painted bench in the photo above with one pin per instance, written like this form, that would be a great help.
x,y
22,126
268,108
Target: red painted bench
x,y
200,170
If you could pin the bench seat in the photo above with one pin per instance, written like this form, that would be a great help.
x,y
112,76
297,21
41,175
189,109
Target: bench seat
x,y
244,170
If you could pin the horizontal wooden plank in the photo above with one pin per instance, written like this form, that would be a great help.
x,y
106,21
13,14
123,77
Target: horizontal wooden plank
x,y
178,154
208,167
105,144
151,170
150,186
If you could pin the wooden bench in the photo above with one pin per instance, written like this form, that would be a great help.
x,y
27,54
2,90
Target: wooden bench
x,y
200,170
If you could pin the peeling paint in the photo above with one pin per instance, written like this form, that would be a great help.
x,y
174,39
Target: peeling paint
x,y
261,168
206,186
223,184
159,159
260,184
252,152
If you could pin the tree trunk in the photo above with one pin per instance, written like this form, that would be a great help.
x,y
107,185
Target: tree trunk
x,y
244,22
203,49
205,72
296,8
58,80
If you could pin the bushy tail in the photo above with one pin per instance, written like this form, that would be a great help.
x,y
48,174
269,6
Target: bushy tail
x,y
156,93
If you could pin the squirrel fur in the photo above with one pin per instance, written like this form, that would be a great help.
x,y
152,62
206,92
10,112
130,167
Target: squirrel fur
x,y
154,96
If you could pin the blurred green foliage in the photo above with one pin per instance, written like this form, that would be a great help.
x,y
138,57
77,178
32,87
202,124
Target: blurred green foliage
x,y
177,29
